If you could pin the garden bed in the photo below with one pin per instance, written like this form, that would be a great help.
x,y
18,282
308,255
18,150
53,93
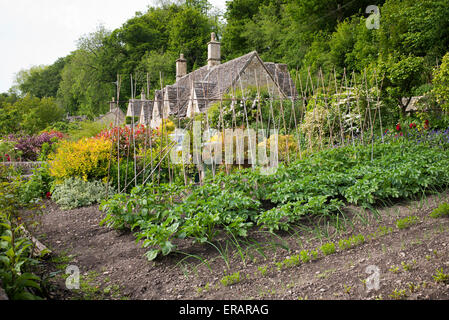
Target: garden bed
x,y
113,266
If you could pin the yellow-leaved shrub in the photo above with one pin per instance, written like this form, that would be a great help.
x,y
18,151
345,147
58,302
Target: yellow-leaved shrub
x,y
86,158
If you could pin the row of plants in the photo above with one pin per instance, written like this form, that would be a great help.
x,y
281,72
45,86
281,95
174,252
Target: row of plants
x,y
320,184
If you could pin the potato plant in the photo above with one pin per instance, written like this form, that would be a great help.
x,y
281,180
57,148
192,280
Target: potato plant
x,y
320,184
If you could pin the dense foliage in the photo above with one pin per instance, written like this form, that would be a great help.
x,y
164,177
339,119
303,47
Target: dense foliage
x,y
75,192
16,261
411,39
33,147
320,185
28,114
85,159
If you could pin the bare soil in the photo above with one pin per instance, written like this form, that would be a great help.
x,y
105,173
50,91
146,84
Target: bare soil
x,y
113,265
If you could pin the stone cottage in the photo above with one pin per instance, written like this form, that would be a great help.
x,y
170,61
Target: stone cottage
x,y
194,92
115,116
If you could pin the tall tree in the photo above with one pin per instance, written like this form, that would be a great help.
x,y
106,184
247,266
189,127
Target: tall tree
x,y
86,85
41,81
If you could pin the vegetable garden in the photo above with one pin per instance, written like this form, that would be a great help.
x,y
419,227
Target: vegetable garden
x,y
335,150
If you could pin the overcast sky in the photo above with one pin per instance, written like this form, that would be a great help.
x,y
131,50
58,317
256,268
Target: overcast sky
x,y
35,32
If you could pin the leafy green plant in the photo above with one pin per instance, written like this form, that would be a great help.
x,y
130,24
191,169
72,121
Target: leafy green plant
x,y
231,279
38,185
398,294
263,270
15,248
14,253
351,242
441,80
347,289
441,211
440,276
394,269
407,222
344,244
304,255
382,230
85,129
413,287
74,193
291,261
408,266
318,185
328,248
132,120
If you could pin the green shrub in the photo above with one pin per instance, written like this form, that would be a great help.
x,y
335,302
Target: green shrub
x,y
74,193
15,247
441,211
129,120
85,129
7,151
407,222
46,149
441,81
38,185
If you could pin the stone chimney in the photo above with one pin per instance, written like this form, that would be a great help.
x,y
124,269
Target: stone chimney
x,y
181,67
213,51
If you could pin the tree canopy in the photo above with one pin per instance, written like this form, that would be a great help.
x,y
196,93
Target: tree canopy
x,y
307,35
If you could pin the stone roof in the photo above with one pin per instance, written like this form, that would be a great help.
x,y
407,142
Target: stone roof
x,y
136,105
147,110
281,75
210,83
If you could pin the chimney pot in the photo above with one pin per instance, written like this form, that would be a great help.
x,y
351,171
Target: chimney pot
x,y
181,67
112,105
213,51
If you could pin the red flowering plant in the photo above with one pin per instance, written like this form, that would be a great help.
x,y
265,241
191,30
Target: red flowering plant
x,y
128,138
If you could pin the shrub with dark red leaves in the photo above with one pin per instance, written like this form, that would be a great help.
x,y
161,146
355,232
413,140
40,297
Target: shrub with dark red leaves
x,y
31,146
